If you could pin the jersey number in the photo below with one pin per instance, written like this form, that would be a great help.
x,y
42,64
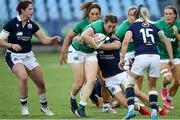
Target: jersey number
x,y
146,34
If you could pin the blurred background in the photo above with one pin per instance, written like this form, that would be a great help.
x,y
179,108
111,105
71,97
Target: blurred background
x,y
57,17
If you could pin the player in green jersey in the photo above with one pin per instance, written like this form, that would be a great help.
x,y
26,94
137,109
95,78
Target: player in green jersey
x,y
170,25
107,27
72,45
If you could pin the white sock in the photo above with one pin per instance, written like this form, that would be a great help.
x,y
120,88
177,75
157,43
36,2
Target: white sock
x,y
130,108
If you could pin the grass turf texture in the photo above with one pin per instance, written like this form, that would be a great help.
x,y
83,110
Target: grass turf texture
x,y
58,81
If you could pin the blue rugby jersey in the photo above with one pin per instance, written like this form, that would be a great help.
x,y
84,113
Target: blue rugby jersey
x,y
144,37
19,34
108,61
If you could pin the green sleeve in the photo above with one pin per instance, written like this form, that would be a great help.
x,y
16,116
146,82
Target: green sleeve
x,y
121,30
79,27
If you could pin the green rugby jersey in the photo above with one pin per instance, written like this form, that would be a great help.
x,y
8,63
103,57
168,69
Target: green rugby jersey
x,y
168,31
120,33
98,27
79,27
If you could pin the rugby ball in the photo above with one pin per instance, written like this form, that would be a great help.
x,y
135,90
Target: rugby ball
x,y
99,38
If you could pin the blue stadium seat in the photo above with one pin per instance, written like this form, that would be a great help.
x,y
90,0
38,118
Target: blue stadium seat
x,y
115,7
126,4
52,10
3,11
12,8
153,7
104,6
40,13
77,12
138,2
65,9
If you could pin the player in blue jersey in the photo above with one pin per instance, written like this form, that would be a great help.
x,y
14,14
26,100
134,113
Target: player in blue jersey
x,y
16,37
144,35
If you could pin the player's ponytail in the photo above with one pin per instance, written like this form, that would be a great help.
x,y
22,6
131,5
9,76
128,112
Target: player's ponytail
x,y
87,6
143,13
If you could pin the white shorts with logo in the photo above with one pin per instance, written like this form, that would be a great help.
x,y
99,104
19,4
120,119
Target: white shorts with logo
x,y
151,62
27,59
113,83
75,56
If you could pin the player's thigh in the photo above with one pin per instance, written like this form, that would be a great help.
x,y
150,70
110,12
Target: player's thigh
x,y
78,71
176,72
19,70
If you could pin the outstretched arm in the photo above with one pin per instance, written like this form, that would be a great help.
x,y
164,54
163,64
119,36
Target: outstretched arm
x,y
46,40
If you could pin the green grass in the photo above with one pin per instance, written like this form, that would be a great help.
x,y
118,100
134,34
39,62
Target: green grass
x,y
58,81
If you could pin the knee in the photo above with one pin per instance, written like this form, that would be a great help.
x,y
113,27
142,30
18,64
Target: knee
x,y
168,78
23,78
167,75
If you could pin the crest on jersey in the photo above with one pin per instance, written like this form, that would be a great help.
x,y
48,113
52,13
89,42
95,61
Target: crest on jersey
x,y
29,26
145,24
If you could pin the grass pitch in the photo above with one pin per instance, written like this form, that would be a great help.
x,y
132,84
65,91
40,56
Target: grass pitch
x,y
58,81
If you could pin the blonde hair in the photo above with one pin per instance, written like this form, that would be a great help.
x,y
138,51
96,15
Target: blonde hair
x,y
144,14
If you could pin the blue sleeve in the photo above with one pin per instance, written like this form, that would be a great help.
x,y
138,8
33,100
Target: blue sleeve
x,y
35,28
8,27
130,28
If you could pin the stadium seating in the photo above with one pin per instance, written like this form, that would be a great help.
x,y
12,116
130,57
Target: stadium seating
x,y
53,12
41,13
3,11
12,9
68,10
104,6
66,13
153,7
77,13
115,8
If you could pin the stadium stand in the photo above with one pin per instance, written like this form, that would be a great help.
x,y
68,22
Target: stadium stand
x,y
3,11
154,8
12,9
116,8
104,6
53,12
77,13
40,9
62,13
65,10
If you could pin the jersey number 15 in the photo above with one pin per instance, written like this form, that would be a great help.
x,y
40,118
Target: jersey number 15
x,y
146,34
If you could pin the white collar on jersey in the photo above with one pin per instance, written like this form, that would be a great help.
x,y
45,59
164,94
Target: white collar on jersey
x,y
141,20
19,18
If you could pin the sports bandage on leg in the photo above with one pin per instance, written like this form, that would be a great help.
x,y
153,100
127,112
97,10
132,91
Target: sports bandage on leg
x,y
165,72
129,81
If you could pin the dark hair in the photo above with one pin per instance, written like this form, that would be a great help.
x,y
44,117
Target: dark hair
x,y
87,7
172,8
137,12
110,18
23,4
